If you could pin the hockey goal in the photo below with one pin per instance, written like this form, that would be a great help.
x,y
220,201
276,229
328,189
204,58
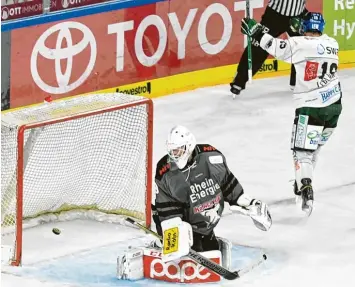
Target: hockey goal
x,y
83,156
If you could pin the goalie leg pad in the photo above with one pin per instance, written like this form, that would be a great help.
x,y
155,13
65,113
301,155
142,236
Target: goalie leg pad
x,y
179,271
177,238
225,246
130,265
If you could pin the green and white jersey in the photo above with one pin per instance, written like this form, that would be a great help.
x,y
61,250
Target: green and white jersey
x,y
316,62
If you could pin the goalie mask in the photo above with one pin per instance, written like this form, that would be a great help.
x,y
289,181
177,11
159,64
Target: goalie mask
x,y
180,145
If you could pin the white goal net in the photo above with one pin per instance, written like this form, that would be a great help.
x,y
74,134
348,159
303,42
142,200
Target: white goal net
x,y
89,154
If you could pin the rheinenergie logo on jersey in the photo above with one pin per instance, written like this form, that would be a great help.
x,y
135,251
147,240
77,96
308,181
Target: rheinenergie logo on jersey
x,y
203,189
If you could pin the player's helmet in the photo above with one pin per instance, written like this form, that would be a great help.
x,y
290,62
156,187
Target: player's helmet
x,y
313,22
180,145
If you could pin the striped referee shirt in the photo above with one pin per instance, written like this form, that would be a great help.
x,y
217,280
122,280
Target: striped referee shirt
x,y
287,7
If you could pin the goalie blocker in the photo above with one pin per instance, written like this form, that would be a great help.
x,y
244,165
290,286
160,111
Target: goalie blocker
x,y
170,263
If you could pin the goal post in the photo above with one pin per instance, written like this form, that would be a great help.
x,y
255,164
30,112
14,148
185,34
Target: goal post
x,y
87,156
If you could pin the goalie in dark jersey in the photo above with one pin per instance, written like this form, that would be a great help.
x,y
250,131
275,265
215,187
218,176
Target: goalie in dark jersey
x,y
193,182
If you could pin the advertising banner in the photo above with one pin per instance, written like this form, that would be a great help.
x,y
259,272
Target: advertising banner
x,y
93,52
57,5
21,10
125,46
137,50
340,22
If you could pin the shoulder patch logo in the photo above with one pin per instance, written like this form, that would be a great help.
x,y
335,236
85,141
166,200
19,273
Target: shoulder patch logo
x,y
164,169
208,148
216,159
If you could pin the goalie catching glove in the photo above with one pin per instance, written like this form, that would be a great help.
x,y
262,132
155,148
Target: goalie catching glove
x,y
256,209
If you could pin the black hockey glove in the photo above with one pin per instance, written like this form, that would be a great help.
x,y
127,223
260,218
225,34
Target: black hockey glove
x,y
296,22
296,25
252,28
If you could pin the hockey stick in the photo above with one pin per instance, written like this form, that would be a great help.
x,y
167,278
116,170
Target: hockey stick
x,y
250,60
205,262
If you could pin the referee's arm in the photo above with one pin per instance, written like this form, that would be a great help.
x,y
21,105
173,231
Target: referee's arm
x,y
289,8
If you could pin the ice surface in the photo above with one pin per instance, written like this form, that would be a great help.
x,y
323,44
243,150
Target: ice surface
x,y
253,131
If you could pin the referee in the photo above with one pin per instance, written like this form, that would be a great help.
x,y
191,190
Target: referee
x,y
277,18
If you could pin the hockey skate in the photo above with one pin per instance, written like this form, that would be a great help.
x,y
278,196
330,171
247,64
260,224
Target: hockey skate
x,y
307,196
235,90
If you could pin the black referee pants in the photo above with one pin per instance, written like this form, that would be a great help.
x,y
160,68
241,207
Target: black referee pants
x,y
278,24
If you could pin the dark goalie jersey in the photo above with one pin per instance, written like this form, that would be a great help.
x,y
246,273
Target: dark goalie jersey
x,y
205,183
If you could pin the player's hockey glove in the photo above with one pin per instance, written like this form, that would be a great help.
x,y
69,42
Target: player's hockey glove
x,y
258,212
296,23
252,28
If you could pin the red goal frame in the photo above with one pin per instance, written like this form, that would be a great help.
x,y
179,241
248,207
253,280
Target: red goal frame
x,y
20,165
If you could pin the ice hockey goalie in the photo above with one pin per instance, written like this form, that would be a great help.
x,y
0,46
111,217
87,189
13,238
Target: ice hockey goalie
x,y
192,184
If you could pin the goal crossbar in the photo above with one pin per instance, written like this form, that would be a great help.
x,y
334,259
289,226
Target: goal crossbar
x,y
112,119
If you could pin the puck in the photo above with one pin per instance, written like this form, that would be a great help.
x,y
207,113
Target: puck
x,y
56,231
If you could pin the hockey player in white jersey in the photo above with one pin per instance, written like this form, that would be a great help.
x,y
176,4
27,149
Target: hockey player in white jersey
x,y
317,93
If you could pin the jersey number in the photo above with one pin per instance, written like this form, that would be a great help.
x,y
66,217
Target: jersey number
x,y
282,44
311,70
333,67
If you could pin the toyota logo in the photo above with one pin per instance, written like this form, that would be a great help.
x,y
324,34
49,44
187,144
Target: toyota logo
x,y
58,54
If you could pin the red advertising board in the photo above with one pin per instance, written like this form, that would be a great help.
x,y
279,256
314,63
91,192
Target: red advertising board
x,y
57,5
21,10
125,46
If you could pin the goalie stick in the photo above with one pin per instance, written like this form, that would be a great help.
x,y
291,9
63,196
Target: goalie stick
x,y
205,262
